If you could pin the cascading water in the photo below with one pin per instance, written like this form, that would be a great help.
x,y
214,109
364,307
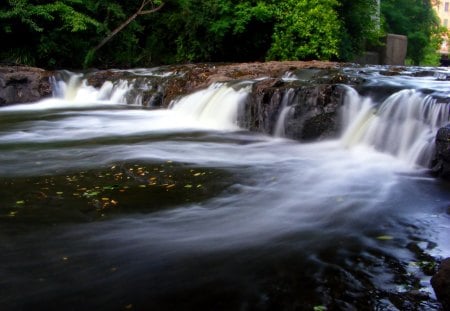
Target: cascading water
x,y
217,107
285,108
185,210
404,125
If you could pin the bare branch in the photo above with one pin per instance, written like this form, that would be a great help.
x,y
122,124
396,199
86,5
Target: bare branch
x,y
152,10
140,11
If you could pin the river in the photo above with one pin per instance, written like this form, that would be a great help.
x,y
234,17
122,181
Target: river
x,y
109,205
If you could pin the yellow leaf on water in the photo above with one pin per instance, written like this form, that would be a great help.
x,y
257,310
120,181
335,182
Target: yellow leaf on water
x,y
385,237
197,174
20,202
188,186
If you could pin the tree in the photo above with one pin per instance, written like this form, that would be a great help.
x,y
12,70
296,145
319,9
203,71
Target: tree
x,y
29,29
155,5
306,29
415,19
360,27
216,30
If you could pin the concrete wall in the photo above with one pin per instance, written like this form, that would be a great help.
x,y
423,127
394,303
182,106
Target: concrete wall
x,y
395,50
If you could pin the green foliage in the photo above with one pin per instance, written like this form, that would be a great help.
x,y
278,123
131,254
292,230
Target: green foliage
x,y
217,30
63,33
360,27
415,19
43,33
306,29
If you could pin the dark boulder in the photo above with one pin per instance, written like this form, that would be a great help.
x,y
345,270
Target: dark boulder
x,y
304,111
441,162
264,105
315,112
23,84
441,284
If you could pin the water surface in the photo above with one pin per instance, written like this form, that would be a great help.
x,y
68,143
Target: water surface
x,y
110,206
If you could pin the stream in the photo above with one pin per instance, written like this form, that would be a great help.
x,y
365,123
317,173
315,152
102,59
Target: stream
x,y
109,205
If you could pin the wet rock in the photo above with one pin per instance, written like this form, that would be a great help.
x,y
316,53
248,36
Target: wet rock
x,y
263,107
304,111
441,162
314,114
23,84
441,284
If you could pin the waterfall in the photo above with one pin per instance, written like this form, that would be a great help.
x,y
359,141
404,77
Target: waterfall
x,y
77,90
285,108
403,125
216,107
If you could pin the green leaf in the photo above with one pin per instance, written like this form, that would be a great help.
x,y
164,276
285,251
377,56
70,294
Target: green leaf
x,y
385,237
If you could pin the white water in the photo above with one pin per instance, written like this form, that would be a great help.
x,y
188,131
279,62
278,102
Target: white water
x,y
404,125
284,112
216,107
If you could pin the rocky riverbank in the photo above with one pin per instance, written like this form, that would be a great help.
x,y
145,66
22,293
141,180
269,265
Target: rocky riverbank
x,y
23,84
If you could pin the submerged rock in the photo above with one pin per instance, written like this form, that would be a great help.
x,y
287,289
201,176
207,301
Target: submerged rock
x,y
441,284
23,84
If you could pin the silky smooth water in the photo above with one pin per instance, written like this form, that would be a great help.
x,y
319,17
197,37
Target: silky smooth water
x,y
110,206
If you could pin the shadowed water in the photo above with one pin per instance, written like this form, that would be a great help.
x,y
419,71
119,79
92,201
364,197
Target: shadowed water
x,y
107,206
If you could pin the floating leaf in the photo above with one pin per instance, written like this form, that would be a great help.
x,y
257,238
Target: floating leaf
x,y
385,237
111,187
59,193
90,193
20,202
197,174
105,199
188,186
